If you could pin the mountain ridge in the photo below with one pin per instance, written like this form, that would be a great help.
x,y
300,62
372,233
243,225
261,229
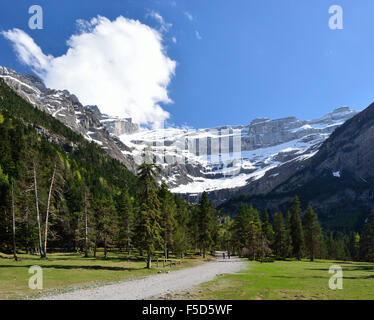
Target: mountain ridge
x,y
225,161
338,181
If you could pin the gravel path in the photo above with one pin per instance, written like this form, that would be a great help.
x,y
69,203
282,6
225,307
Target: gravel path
x,y
156,285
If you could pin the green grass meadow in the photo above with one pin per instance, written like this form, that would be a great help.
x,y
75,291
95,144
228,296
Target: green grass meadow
x,y
67,271
291,280
279,280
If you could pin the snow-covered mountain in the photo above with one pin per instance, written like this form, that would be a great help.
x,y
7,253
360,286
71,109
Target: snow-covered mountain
x,y
85,120
232,157
224,161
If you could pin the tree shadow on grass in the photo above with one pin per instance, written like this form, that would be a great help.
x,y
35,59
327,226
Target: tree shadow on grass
x,y
70,267
79,258
298,277
348,268
363,277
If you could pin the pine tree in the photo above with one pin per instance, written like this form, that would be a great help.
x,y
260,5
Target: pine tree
x,y
296,229
312,232
181,240
148,229
215,230
193,227
241,228
255,243
267,229
288,228
227,234
205,222
354,246
125,212
4,200
108,222
367,240
14,224
104,222
280,236
167,222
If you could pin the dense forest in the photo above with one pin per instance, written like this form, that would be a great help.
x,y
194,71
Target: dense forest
x,y
59,192
295,234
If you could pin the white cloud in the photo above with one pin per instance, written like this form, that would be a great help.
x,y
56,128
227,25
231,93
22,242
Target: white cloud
x,y
198,36
164,27
27,50
174,39
119,65
188,15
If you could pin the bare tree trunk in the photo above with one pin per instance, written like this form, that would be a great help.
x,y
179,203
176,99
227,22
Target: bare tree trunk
x,y
28,250
105,249
204,253
95,248
149,259
14,224
166,250
86,222
128,237
47,214
37,214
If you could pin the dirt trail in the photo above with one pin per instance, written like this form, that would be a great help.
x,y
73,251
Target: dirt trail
x,y
156,285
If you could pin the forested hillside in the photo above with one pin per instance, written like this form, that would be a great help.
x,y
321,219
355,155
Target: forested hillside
x,y
61,192
338,181
34,147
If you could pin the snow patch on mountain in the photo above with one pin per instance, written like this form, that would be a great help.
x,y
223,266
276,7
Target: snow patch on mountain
x,y
232,156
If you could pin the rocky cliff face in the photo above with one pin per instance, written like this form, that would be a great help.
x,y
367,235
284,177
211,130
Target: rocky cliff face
x,y
225,161
88,121
232,160
338,181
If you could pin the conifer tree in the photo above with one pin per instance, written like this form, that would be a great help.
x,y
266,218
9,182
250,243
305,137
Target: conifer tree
x,y
108,222
205,222
280,236
354,246
227,234
255,242
4,200
367,240
267,229
167,221
193,227
125,213
241,228
288,228
312,232
181,240
148,229
296,229
14,224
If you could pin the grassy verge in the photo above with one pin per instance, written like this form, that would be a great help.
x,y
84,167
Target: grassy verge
x,y
290,280
68,271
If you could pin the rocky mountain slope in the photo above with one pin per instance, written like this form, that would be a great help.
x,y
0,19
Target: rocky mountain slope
x,y
239,159
86,120
338,181
224,161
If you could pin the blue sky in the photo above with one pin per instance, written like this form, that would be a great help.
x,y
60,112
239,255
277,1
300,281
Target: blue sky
x,y
252,58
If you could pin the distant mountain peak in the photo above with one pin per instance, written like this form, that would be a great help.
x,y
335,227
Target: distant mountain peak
x,y
228,158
